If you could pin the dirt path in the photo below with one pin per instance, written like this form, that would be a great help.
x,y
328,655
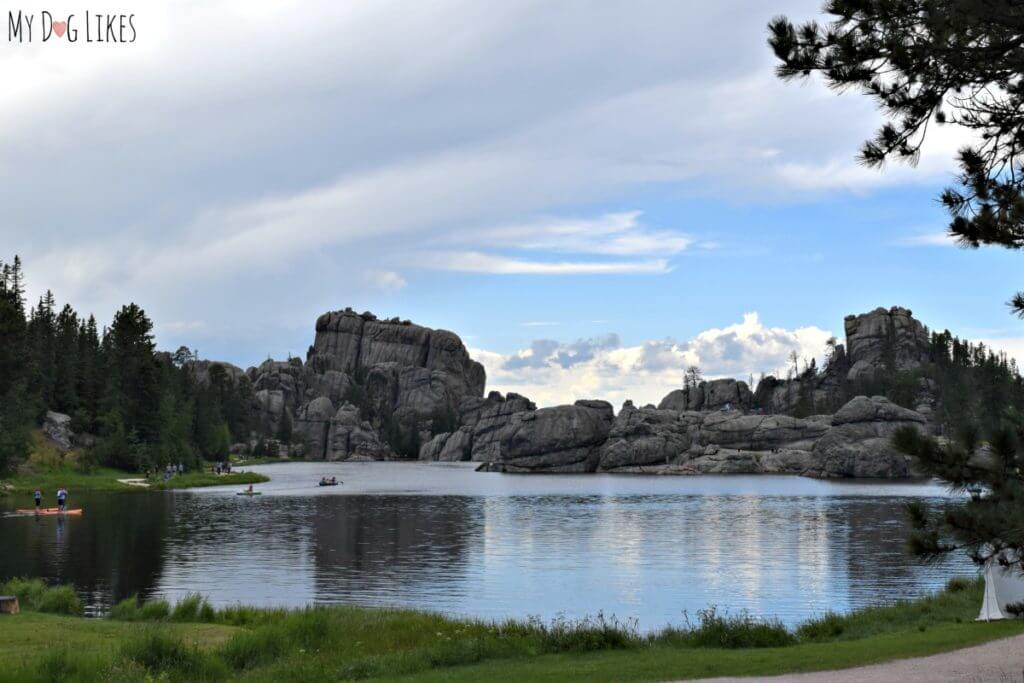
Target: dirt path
x,y
999,661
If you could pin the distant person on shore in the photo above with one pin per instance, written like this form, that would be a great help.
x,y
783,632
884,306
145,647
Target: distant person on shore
x,y
38,496
62,499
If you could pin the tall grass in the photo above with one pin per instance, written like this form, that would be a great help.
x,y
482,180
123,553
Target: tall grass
x,y
349,643
35,595
158,651
958,602
723,630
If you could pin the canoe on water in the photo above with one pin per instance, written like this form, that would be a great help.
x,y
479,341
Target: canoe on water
x,y
248,493
329,483
49,511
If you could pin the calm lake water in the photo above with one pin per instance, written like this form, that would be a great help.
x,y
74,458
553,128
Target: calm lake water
x,y
443,537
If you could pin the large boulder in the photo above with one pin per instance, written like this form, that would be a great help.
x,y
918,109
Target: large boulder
x,y
559,439
859,444
488,418
647,436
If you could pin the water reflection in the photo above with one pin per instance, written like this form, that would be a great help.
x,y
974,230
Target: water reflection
x,y
490,545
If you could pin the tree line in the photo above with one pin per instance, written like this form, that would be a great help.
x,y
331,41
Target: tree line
x,y
141,407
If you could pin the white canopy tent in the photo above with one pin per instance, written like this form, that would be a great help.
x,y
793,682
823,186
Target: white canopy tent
x,y
1002,587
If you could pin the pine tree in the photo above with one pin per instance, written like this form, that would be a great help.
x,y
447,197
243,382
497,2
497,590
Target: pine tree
x,y
133,386
66,361
932,62
15,406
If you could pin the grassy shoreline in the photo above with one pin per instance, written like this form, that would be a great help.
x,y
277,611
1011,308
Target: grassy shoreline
x,y
48,469
194,641
105,479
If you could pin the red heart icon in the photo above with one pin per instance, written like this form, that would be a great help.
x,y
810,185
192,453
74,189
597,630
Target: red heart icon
x,y
59,27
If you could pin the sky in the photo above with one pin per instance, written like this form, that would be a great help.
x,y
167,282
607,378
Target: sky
x,y
593,195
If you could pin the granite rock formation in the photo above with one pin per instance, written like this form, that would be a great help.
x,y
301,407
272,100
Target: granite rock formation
x,y
374,389
364,380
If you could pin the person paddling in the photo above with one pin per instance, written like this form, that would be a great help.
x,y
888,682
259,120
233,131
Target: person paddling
x,y
62,499
38,496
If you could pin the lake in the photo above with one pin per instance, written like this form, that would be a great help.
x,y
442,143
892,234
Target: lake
x,y
444,537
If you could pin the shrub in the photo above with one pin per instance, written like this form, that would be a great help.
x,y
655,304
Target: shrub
x,y
60,600
35,595
28,591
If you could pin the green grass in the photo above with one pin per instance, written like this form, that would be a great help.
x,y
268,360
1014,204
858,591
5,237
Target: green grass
x,y
191,480
261,460
47,469
662,663
194,641
48,481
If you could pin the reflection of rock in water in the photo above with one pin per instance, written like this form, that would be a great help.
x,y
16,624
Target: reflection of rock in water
x,y
112,551
368,548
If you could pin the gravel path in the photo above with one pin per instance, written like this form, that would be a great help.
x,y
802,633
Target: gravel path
x,y
999,661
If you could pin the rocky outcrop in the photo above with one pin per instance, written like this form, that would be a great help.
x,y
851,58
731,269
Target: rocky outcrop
x,y
449,447
57,427
642,437
352,438
884,340
365,378
387,376
349,342
859,444
559,439
714,395
203,371
855,442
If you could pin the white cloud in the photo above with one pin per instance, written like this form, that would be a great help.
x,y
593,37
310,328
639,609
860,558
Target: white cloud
x,y
928,239
385,279
551,373
477,262
613,234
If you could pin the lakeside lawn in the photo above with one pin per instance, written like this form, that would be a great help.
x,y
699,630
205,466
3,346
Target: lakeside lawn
x,y
48,469
194,641
192,480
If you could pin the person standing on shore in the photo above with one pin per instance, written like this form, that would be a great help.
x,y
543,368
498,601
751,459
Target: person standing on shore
x,y
62,498
38,496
